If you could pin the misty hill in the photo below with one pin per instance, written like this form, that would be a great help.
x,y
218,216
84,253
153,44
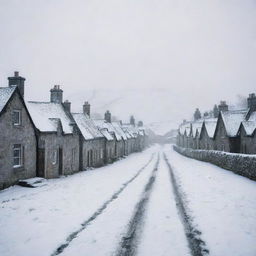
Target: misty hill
x,y
152,106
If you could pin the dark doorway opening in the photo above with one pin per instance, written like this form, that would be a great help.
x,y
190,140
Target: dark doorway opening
x,y
60,161
41,163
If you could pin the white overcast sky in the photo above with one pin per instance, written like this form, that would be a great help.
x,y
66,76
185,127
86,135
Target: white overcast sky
x,y
156,59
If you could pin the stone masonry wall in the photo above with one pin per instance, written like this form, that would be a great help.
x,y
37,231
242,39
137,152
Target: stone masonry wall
x,y
9,135
244,165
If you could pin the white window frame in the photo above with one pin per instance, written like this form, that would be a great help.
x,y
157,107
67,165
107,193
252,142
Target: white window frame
x,y
101,153
55,157
19,157
19,115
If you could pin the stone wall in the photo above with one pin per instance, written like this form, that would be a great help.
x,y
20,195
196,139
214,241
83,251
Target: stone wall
x,y
9,135
244,165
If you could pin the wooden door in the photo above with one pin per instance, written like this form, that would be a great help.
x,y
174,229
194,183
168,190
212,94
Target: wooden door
x,y
41,163
60,161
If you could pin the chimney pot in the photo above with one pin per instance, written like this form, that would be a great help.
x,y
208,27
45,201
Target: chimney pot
x,y
56,94
18,81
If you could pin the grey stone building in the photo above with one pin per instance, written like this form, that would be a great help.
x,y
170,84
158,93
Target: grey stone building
x,y
233,131
110,140
247,135
58,136
93,141
17,135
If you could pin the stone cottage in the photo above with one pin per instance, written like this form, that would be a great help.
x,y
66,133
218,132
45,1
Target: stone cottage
x,y
57,134
93,141
226,135
110,140
17,135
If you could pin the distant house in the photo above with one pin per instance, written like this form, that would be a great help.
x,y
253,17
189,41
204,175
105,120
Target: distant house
x,y
233,130
226,134
110,139
93,141
17,135
247,134
58,136
207,134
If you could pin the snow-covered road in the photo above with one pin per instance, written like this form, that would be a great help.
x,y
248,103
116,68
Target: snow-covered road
x,y
133,207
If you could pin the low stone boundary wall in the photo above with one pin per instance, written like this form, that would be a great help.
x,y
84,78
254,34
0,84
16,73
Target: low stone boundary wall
x,y
241,164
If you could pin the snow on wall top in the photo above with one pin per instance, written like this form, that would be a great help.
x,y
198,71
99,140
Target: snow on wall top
x,y
103,127
87,127
5,95
232,120
210,125
44,115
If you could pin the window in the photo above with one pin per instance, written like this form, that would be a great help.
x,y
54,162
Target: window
x,y
16,117
101,153
55,157
17,155
73,155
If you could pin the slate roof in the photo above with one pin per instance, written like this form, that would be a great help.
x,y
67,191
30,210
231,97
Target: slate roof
x,y
46,116
87,126
5,95
119,130
232,120
103,127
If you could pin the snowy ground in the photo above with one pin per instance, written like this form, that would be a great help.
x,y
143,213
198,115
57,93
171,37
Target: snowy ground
x,y
130,207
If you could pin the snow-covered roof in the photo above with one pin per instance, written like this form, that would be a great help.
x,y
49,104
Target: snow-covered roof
x,y
249,127
252,116
210,125
46,115
5,95
232,120
87,126
184,127
196,126
119,130
132,130
103,127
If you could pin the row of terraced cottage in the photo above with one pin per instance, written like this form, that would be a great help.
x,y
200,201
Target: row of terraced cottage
x,y
45,139
223,129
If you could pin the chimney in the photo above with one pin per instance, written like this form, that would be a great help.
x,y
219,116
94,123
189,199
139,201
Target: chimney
x,y
132,120
67,106
108,116
56,94
140,123
251,100
87,108
17,80
223,106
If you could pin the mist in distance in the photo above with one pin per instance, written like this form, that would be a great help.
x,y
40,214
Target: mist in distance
x,y
158,60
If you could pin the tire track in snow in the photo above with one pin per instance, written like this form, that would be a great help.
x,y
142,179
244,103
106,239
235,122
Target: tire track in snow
x,y
196,244
73,235
128,245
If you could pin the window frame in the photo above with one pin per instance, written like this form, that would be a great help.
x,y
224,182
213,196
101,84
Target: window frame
x,y
19,117
20,157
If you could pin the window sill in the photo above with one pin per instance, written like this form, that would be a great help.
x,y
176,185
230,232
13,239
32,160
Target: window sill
x,y
18,168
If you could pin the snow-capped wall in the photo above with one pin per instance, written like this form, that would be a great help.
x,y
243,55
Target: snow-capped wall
x,y
241,164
